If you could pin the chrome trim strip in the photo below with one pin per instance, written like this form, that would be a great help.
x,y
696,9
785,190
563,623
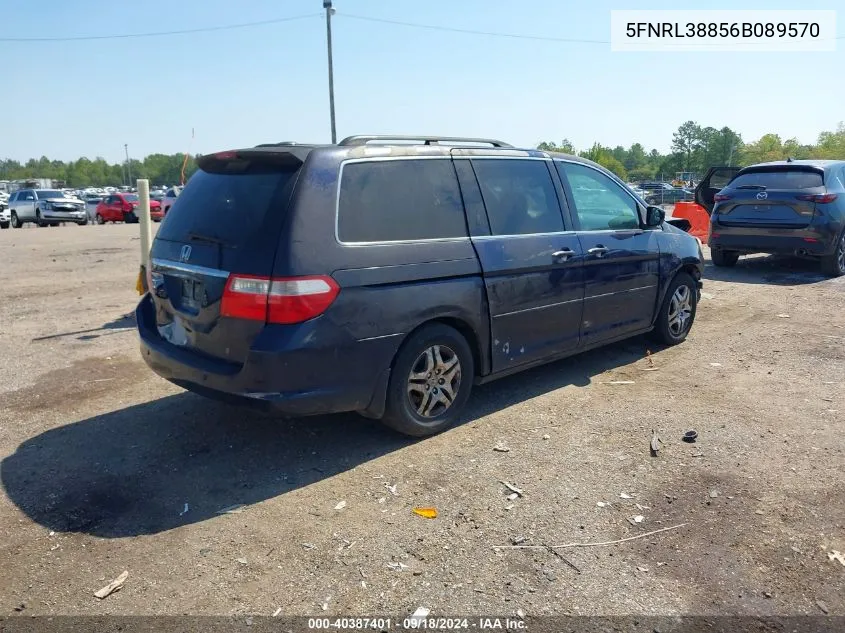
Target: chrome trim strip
x,y
543,307
166,264
496,237
376,338
609,294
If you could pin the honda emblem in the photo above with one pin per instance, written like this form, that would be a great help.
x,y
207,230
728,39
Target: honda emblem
x,y
760,196
185,253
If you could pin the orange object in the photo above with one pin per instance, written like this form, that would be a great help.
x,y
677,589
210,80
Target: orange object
x,y
697,217
426,513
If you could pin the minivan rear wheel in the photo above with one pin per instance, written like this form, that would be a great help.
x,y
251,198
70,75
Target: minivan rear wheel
x,y
723,258
430,381
678,310
834,265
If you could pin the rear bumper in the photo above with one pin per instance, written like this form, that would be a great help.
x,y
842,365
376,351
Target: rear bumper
x,y
327,377
814,241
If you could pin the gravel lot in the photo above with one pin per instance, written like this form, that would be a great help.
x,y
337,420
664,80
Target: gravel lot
x,y
105,468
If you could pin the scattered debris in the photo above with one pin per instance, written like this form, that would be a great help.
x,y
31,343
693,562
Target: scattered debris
x,y
114,585
621,382
520,613
501,448
512,488
547,436
325,606
642,569
697,454
714,494
783,316
184,510
767,594
426,513
760,512
636,519
625,495
397,566
690,436
715,364
513,496
835,555
599,544
639,507
235,509
242,561
21,607
602,504
516,540
52,533
391,489
655,443
340,506
418,615
309,545
822,605
277,612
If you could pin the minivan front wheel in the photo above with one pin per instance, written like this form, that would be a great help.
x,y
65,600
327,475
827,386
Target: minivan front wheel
x,y
678,310
430,382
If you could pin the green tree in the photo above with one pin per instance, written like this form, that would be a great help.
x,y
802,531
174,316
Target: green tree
x,y
685,142
565,147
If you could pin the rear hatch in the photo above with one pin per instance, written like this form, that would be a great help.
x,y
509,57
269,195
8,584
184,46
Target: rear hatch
x,y
227,220
780,196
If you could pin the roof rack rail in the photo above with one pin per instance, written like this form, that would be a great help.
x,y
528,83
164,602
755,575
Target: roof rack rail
x,y
425,140
277,144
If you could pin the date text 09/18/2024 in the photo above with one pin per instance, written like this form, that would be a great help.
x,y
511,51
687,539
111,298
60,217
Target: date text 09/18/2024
x,y
416,624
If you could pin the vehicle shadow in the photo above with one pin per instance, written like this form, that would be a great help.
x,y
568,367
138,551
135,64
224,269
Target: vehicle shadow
x,y
124,322
130,472
774,270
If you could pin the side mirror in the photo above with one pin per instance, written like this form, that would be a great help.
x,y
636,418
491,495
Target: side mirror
x,y
654,216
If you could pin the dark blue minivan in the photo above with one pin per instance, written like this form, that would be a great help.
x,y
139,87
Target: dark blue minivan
x,y
387,275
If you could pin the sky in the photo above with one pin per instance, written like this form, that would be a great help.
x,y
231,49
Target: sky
x,y
268,83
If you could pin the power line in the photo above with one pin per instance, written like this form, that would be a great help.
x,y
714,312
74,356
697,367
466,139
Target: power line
x,y
207,29
433,27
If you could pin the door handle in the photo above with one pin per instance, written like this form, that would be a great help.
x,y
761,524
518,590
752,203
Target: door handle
x,y
563,254
598,251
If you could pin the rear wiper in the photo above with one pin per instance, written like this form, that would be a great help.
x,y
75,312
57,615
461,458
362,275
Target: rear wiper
x,y
208,239
751,187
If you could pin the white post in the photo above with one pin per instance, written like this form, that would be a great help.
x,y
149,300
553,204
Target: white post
x,y
146,231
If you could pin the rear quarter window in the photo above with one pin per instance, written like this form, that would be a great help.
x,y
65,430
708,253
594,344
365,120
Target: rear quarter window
x,y
779,179
399,200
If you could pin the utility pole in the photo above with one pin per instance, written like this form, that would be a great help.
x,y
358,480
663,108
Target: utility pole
x,y
327,5
128,166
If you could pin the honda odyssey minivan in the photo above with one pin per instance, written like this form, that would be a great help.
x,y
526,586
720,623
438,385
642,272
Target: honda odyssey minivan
x,y
388,275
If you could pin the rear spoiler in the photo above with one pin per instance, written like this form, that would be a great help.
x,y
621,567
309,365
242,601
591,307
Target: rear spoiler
x,y
246,160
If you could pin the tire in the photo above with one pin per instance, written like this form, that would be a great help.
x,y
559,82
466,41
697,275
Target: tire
x,y
99,219
408,410
16,223
724,259
83,222
4,225
130,218
677,313
41,223
834,265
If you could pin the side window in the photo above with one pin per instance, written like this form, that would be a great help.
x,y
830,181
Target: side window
x,y
397,200
13,197
601,204
28,195
519,196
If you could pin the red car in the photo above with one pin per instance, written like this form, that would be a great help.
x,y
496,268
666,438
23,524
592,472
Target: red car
x,y
120,207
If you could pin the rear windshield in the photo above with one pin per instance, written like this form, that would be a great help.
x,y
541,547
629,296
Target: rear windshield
x,y
779,179
225,207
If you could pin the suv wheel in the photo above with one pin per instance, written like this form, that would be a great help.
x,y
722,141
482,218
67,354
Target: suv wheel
x,y
723,258
4,225
678,311
834,265
41,224
99,219
16,223
430,381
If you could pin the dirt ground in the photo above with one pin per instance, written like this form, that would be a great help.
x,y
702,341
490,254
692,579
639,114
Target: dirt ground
x,y
106,467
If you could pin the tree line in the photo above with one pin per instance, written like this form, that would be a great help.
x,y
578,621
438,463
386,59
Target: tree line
x,y
160,169
695,148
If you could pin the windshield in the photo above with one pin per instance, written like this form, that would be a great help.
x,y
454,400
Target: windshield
x,y
43,194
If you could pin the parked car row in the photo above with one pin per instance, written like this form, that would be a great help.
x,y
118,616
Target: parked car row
x,y
51,207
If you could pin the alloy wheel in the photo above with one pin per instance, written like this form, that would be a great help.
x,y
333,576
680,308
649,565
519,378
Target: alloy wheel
x,y
680,310
434,381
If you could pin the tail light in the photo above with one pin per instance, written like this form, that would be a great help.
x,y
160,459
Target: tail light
x,y
819,198
277,300
721,197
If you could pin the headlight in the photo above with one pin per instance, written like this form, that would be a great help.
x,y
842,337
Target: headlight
x,y
47,206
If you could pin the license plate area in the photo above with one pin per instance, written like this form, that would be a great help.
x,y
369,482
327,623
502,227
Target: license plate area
x,y
192,294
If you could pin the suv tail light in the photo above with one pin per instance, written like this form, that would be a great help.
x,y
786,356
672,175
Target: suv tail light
x,y
277,300
820,198
721,197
